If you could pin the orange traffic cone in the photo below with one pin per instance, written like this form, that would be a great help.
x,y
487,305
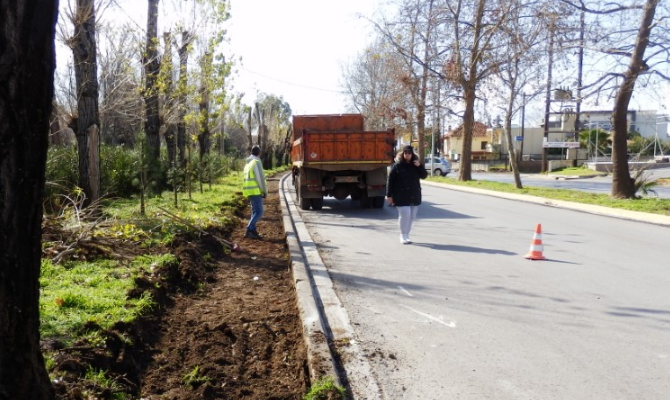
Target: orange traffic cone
x,y
535,252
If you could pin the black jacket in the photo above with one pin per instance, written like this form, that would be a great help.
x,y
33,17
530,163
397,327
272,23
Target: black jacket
x,y
403,182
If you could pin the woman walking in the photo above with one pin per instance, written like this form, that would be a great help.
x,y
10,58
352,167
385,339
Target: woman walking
x,y
404,189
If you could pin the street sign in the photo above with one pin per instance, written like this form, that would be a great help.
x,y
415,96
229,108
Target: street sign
x,y
568,145
519,138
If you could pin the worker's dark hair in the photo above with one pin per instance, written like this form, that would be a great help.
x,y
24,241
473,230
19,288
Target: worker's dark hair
x,y
256,150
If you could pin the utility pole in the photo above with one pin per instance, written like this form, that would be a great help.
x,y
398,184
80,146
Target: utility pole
x,y
547,108
523,125
580,68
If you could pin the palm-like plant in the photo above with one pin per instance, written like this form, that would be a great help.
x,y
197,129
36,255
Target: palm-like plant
x,y
598,139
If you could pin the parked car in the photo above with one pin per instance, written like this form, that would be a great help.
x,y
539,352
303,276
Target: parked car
x,y
440,166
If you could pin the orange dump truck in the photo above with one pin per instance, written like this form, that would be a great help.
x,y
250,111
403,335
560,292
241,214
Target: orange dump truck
x,y
333,156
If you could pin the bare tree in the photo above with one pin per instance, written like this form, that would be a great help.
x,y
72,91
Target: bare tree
x,y
120,107
26,94
622,184
474,27
411,34
151,72
623,46
521,60
87,126
372,87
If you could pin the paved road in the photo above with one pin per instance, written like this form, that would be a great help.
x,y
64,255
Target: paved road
x,y
461,314
594,185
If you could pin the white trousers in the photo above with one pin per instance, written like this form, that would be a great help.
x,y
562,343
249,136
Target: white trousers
x,y
406,216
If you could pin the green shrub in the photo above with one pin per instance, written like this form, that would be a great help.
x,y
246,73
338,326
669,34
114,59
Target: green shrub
x,y
119,171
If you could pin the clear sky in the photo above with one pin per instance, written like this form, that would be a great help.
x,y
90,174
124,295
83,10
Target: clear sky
x,y
296,49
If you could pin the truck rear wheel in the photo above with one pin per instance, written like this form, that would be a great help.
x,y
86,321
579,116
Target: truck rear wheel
x,y
378,202
365,201
317,204
305,203
302,201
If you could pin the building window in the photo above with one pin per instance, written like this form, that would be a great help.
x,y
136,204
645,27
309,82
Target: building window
x,y
484,145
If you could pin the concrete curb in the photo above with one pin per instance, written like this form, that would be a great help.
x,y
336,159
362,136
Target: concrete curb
x,y
319,358
587,208
324,316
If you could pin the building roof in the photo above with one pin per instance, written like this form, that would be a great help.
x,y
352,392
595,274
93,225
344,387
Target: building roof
x,y
478,130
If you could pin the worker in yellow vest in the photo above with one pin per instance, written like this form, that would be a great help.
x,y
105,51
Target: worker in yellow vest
x,y
254,188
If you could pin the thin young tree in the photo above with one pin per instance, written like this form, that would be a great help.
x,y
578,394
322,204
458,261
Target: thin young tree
x,y
520,68
26,92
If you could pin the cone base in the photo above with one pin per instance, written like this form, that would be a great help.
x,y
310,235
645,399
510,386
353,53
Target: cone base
x,y
535,257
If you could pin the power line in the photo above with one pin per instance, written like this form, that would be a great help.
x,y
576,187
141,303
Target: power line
x,y
291,83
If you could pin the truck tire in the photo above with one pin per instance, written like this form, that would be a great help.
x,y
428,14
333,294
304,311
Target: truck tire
x,y
302,201
365,201
305,203
317,204
378,202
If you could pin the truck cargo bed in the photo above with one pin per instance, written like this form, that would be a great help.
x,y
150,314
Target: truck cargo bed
x,y
330,150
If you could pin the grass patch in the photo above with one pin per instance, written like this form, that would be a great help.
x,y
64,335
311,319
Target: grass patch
x,y
75,293
577,171
650,205
325,389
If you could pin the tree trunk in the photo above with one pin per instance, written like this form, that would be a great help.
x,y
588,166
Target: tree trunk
x,y
205,133
26,91
151,71
469,92
465,170
623,185
510,148
88,119
168,109
183,80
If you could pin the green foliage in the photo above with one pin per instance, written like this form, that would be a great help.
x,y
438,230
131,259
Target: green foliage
x,y
101,380
120,172
640,145
194,379
576,171
76,293
592,138
61,169
325,389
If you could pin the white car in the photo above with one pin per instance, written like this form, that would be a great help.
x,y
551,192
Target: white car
x,y
440,166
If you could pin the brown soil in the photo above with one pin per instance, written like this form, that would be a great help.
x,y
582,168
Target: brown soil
x,y
226,326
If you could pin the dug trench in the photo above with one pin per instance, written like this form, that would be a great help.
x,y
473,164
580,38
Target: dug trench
x,y
225,326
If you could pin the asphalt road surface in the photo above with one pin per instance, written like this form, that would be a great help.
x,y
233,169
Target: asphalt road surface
x,y
461,314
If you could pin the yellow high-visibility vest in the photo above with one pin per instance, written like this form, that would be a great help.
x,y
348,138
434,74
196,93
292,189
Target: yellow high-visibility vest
x,y
250,185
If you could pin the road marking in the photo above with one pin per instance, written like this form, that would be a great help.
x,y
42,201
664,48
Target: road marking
x,y
450,324
405,291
